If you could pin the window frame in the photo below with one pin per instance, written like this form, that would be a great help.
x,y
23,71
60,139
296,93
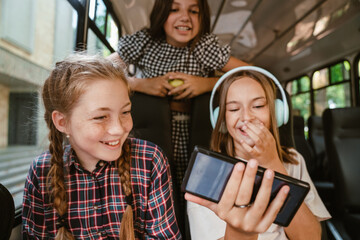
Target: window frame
x,y
85,23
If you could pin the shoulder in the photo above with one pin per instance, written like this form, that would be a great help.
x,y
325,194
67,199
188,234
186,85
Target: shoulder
x,y
148,158
296,170
41,163
142,149
210,40
141,36
211,53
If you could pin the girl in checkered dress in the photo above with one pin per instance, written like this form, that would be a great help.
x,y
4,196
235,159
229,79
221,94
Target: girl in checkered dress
x,y
178,45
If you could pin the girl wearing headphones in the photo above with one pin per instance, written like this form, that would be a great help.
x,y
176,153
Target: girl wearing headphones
x,y
247,127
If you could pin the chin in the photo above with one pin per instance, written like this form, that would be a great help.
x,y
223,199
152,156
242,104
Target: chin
x,y
109,157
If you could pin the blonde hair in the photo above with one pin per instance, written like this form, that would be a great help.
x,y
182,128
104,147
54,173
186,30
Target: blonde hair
x,y
61,91
221,141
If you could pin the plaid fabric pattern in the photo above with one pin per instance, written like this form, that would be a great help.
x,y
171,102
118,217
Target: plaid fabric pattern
x,y
96,202
156,58
180,140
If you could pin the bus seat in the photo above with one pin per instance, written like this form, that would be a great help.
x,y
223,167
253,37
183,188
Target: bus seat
x,y
152,121
286,131
302,145
342,141
321,175
7,213
317,143
200,126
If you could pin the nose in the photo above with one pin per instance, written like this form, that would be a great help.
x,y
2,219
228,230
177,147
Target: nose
x,y
116,127
247,115
184,16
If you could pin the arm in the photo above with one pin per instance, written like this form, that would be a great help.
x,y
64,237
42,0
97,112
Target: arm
x,y
245,223
160,222
304,225
158,86
233,63
33,222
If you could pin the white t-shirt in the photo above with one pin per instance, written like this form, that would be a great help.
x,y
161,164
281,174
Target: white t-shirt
x,y
204,224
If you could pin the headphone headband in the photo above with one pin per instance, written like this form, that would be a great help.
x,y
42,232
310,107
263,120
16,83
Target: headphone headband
x,y
249,68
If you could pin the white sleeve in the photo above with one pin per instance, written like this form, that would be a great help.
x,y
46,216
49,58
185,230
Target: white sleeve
x,y
312,199
204,223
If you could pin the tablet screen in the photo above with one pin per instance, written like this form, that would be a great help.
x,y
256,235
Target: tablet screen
x,y
209,176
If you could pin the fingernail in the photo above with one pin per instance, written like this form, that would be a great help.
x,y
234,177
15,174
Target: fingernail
x,y
287,189
252,163
269,174
240,167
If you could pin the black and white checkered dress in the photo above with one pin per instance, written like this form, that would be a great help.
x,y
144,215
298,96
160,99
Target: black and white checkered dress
x,y
157,57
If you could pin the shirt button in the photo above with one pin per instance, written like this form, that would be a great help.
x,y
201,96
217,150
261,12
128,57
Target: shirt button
x,y
101,163
95,207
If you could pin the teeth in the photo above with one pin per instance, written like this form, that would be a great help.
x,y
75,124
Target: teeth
x,y
183,28
113,143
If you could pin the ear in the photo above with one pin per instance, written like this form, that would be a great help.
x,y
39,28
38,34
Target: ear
x,y
59,121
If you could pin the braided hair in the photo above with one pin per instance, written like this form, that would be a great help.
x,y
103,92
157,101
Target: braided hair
x,y
61,91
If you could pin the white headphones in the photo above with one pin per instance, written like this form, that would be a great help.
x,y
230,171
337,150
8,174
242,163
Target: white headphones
x,y
281,106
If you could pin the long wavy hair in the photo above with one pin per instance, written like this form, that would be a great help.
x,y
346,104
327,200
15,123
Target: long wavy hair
x,y
222,141
161,11
61,92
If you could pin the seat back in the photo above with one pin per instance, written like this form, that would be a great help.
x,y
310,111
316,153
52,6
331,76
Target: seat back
x,y
7,212
286,131
342,139
317,143
302,145
152,121
200,126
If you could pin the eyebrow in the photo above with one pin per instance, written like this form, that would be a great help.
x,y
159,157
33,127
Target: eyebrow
x,y
108,109
254,99
192,5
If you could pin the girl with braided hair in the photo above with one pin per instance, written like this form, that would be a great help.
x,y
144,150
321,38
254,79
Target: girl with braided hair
x,y
95,182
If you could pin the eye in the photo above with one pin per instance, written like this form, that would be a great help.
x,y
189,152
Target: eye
x,y
194,11
100,117
174,10
259,106
233,109
126,112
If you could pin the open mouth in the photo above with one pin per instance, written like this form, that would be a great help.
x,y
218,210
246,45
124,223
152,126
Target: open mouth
x,y
183,28
242,130
111,143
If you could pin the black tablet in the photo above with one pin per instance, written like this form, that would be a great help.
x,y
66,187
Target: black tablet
x,y
208,173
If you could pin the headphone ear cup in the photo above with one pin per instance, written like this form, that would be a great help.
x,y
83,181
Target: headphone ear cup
x,y
216,115
279,112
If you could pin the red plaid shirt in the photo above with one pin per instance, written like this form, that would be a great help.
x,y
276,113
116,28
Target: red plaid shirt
x,y
96,201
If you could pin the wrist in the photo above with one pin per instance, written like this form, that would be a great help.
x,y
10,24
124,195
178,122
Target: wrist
x,y
135,83
233,233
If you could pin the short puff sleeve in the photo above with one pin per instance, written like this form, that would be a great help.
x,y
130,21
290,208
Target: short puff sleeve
x,y
130,47
210,53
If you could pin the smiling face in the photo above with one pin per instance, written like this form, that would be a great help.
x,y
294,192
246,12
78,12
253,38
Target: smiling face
x,y
245,101
100,122
182,24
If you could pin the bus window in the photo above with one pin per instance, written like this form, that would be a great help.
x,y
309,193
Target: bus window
x,y
299,90
65,29
332,87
